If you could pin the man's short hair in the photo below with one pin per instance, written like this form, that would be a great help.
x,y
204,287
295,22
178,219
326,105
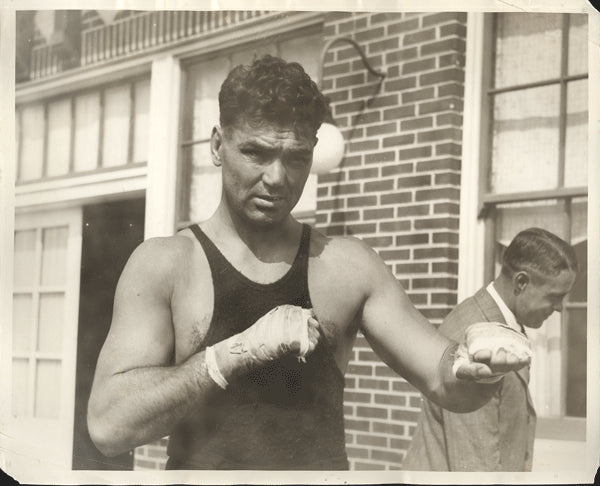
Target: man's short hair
x,y
540,253
272,90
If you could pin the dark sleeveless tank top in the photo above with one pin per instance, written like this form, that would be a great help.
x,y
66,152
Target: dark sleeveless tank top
x,y
285,415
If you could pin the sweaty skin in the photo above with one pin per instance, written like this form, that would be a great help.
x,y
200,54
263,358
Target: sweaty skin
x,y
150,374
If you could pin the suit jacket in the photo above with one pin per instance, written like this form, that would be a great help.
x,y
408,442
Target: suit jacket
x,y
497,437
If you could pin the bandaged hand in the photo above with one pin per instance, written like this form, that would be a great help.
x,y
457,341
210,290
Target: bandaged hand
x,y
283,331
490,351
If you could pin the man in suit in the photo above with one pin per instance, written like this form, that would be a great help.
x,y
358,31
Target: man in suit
x,y
538,270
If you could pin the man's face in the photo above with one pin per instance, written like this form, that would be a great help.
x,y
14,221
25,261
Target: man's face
x,y
264,169
541,296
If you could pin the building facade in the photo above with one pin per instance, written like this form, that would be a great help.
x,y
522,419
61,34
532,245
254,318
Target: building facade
x,y
477,130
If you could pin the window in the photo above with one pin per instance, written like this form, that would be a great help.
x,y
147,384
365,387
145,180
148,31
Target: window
x,y
199,180
534,173
82,133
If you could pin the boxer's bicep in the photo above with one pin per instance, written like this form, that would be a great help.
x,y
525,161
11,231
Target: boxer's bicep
x,y
401,336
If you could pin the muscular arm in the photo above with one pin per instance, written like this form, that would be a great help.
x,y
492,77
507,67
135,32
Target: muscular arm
x,y
137,394
408,343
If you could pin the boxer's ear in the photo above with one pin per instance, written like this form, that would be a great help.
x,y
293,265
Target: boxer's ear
x,y
216,141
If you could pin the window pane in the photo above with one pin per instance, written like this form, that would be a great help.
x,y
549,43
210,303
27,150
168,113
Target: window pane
x,y
20,387
50,329
579,291
117,103
87,131
24,258
142,108
206,79
525,140
528,48
205,188
59,137
303,50
54,256
578,43
47,389
22,313
578,220
576,362
32,143
576,142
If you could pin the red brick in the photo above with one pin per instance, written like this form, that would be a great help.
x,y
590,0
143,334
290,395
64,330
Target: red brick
x,y
372,412
385,370
393,71
368,466
364,119
350,80
382,129
439,283
380,157
449,119
415,210
418,95
357,452
403,26
398,140
363,173
454,59
379,241
330,70
387,455
417,299
439,164
399,443
415,153
364,145
416,123
411,268
435,223
396,198
345,189
413,181
415,402
372,440
369,35
437,193
368,91
322,191
349,438
435,252
458,30
330,30
359,229
337,176
445,267
418,66
443,17
451,89
384,17
453,44
388,428
441,76
394,255
362,201
333,230
341,217
350,382
360,369
371,383
392,227
387,399
400,84
335,16
403,386
347,53
451,133
445,237
412,239
399,112
359,425
357,397
352,25
382,213
321,219
446,208
397,169
437,106
401,55
381,185
348,410
384,45
443,298
351,106
420,36
383,101
448,149
405,415
326,204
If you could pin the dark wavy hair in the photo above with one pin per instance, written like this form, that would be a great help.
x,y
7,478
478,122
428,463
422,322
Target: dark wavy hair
x,y
540,252
272,90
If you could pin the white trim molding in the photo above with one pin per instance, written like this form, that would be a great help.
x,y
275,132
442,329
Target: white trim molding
x,y
471,230
163,147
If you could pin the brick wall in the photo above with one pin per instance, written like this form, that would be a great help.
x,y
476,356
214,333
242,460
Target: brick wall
x,y
397,189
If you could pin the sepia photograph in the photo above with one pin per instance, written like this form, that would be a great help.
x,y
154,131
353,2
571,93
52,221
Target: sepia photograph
x,y
338,243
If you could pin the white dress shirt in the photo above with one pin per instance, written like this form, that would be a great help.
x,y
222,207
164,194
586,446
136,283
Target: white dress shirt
x,y
509,317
